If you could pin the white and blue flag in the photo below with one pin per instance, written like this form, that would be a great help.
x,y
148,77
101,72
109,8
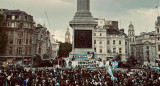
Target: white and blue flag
x,y
115,64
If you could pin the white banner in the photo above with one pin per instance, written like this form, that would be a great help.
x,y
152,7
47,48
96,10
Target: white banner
x,y
87,64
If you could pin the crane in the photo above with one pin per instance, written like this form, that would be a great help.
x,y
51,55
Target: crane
x,y
49,25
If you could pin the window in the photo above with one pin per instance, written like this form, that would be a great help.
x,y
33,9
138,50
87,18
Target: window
x,y
26,41
19,41
94,41
159,56
120,50
147,53
100,34
30,41
13,17
94,49
147,47
114,50
158,38
126,51
11,41
10,50
19,51
108,50
94,34
12,25
158,47
20,34
125,43
157,30
133,39
119,42
12,34
26,51
100,42
114,42
100,51
107,41
39,51
27,35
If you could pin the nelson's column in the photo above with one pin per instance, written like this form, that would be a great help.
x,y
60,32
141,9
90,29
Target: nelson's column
x,y
83,25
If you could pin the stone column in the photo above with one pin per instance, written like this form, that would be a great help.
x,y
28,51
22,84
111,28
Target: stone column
x,y
83,5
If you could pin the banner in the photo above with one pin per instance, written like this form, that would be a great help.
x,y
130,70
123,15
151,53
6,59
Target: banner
x,y
84,64
81,56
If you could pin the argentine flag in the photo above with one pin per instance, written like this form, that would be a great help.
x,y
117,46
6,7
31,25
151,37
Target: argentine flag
x,y
114,64
109,70
110,73
157,69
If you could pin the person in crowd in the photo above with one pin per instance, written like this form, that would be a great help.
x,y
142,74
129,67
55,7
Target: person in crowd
x,y
79,77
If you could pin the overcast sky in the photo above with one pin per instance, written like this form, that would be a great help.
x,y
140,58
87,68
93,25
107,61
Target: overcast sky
x,y
142,13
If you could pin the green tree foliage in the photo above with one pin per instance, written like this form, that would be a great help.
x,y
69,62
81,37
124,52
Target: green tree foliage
x,y
3,36
65,49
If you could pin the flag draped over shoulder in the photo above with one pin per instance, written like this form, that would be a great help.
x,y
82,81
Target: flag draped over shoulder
x,y
110,73
109,70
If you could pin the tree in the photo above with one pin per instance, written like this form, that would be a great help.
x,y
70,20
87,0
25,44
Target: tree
x,y
3,35
131,61
65,49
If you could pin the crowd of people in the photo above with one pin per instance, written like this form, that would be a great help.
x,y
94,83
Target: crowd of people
x,y
78,77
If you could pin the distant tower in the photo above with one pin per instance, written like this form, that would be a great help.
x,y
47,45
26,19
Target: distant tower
x,y
131,34
67,36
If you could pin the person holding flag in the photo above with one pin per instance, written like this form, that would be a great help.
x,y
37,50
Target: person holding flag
x,y
108,70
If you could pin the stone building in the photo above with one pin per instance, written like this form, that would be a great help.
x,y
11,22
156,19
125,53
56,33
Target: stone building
x,y
157,35
24,38
109,41
19,27
100,39
55,49
144,48
131,38
67,36
42,43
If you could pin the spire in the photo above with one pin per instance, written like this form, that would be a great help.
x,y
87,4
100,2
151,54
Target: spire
x,y
67,28
130,22
67,32
131,25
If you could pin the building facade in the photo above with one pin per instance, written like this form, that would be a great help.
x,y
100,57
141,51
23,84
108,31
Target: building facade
x,y
131,38
19,27
109,41
42,43
55,49
157,36
24,38
144,48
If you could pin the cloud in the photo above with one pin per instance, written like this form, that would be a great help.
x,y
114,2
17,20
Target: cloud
x,y
60,12
142,19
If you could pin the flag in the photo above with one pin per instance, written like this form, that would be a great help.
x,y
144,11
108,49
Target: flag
x,y
157,69
110,73
90,67
115,64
